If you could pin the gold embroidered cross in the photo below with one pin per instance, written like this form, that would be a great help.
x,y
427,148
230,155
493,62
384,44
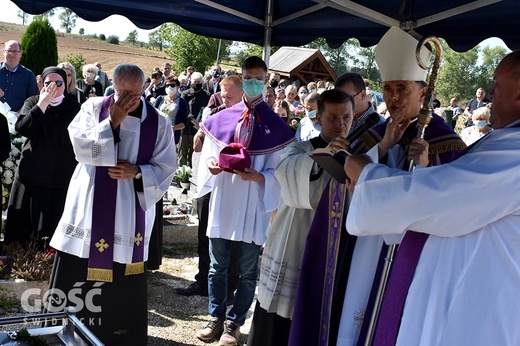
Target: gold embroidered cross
x,y
101,245
138,239
334,213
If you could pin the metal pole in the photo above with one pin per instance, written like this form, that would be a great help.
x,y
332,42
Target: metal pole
x,y
218,52
267,32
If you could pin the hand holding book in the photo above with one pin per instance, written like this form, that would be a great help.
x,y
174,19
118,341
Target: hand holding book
x,y
332,161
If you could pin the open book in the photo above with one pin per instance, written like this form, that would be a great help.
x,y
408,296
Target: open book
x,y
331,162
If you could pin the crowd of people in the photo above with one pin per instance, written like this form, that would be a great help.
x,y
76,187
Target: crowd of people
x,y
100,153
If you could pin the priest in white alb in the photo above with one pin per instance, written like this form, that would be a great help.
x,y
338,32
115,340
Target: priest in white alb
x,y
302,184
126,155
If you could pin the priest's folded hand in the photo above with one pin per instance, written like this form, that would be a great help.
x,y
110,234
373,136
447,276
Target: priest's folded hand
x,y
123,170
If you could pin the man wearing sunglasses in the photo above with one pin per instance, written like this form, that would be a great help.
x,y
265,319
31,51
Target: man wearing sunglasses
x,y
17,82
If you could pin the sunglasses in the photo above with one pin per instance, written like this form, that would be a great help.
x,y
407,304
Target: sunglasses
x,y
58,83
171,85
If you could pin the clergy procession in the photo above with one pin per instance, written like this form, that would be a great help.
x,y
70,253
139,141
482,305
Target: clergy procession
x,y
411,248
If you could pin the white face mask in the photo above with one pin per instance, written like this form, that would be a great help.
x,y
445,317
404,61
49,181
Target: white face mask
x,y
480,124
57,100
171,91
90,75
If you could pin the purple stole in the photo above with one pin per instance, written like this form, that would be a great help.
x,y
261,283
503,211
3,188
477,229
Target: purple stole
x,y
309,327
101,255
267,131
400,279
308,313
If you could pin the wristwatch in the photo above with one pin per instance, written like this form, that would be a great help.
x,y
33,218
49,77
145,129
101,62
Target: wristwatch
x,y
139,175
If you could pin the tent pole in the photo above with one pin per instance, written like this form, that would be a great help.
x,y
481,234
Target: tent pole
x,y
268,29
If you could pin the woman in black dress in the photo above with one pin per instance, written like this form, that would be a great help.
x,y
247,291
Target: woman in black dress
x,y
47,162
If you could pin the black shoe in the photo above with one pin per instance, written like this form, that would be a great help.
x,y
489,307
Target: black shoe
x,y
195,289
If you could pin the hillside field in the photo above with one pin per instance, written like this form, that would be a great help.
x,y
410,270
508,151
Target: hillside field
x,y
110,55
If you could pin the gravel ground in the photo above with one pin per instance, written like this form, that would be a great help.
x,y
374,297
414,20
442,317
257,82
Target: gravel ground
x,y
173,319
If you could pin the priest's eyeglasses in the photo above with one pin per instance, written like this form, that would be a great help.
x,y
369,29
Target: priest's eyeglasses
x,y
356,94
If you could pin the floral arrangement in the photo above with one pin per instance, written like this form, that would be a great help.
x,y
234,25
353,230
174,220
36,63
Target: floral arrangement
x,y
183,174
8,167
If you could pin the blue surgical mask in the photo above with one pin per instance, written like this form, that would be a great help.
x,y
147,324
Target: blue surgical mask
x,y
253,87
480,124
311,114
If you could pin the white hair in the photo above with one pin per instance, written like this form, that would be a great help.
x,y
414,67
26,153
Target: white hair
x,y
197,76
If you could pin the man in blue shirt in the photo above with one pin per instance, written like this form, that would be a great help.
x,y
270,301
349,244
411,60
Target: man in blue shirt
x,y
17,82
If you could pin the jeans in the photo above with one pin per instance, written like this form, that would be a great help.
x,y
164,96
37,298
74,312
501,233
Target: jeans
x,y
220,253
203,249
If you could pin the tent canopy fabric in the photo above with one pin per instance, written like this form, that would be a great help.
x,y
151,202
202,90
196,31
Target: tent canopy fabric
x,y
462,23
303,64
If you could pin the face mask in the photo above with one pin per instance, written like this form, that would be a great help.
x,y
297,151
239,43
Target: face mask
x,y
171,91
303,96
90,75
311,114
57,100
215,74
312,90
253,87
480,124
183,87
274,83
197,86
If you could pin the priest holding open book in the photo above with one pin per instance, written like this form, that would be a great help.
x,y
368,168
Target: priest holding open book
x,y
302,183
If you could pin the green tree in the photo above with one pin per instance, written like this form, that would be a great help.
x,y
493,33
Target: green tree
x,y
458,74
39,46
132,37
68,20
490,58
23,16
81,31
341,59
45,15
250,49
113,39
188,49
155,38
368,66
102,37
76,60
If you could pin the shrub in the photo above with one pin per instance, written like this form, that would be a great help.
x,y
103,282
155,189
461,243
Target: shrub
x,y
26,262
39,46
113,39
77,60
102,37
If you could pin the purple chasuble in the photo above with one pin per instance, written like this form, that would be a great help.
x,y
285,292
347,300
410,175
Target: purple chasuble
x,y
105,199
268,132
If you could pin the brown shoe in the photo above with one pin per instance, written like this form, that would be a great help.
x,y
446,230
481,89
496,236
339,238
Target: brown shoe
x,y
230,335
211,331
